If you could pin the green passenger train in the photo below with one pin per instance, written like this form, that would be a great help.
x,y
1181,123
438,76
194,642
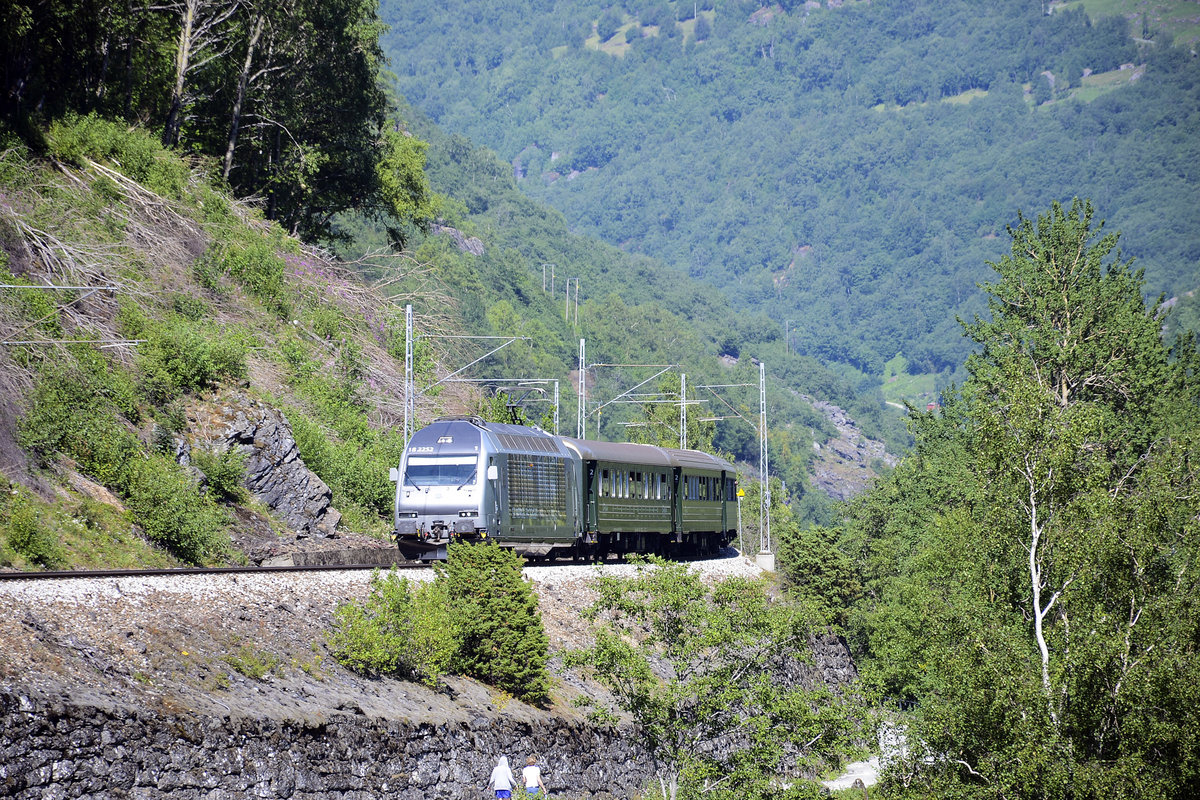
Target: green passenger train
x,y
546,496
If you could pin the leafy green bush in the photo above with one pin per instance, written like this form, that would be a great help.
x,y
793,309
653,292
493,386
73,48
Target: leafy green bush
x,y
400,629
494,634
356,469
180,356
102,446
226,473
172,512
192,308
25,533
365,477
134,152
256,264
501,640
327,321
73,409
252,663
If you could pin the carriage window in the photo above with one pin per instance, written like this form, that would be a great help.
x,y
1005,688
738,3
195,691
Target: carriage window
x,y
604,488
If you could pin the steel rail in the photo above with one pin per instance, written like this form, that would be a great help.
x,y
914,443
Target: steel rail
x,y
142,573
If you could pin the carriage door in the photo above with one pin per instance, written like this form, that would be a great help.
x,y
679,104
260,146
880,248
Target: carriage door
x,y
590,521
677,488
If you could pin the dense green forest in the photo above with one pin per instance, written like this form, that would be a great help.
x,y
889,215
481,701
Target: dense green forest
x,y
1028,576
846,170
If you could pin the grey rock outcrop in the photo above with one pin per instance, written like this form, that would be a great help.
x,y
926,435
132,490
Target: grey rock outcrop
x,y
843,466
467,244
275,473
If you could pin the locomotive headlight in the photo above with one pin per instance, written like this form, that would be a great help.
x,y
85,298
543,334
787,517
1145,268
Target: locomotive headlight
x,y
468,513
407,515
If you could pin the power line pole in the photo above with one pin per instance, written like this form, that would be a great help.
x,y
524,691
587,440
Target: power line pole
x,y
409,402
682,411
580,414
764,496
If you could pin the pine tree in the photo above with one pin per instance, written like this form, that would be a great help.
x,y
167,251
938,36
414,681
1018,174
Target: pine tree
x,y
501,638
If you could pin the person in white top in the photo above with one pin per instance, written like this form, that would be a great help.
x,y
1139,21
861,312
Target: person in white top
x,y
532,774
502,779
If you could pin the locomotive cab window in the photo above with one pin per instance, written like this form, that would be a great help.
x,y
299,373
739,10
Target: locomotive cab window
x,y
446,471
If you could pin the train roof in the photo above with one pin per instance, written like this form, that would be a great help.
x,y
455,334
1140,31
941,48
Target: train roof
x,y
512,438
530,439
645,454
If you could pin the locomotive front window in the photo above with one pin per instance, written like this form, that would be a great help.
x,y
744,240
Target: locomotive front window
x,y
458,471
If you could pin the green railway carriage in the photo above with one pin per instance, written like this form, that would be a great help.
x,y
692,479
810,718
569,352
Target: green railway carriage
x,y
646,499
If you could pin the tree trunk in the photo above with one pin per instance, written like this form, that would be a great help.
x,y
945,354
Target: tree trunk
x,y
243,79
182,57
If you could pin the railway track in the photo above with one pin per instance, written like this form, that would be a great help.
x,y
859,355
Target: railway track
x,y
127,573
48,575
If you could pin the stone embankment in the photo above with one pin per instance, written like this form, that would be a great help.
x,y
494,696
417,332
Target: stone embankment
x,y
67,749
221,687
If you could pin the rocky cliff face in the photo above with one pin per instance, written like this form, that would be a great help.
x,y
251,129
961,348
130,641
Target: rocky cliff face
x,y
843,466
275,473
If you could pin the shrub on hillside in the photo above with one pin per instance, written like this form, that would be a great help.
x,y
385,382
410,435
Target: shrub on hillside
x,y
502,641
180,356
402,628
255,263
225,471
74,408
172,512
356,467
479,618
76,139
24,533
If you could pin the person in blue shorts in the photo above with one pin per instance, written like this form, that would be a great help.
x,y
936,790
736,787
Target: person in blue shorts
x,y
532,775
502,779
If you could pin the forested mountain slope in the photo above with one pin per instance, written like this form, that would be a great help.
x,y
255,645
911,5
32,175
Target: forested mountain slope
x,y
849,170
507,262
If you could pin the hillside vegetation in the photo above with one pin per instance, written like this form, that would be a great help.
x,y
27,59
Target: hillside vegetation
x,y
175,293
847,170
171,290
1027,578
